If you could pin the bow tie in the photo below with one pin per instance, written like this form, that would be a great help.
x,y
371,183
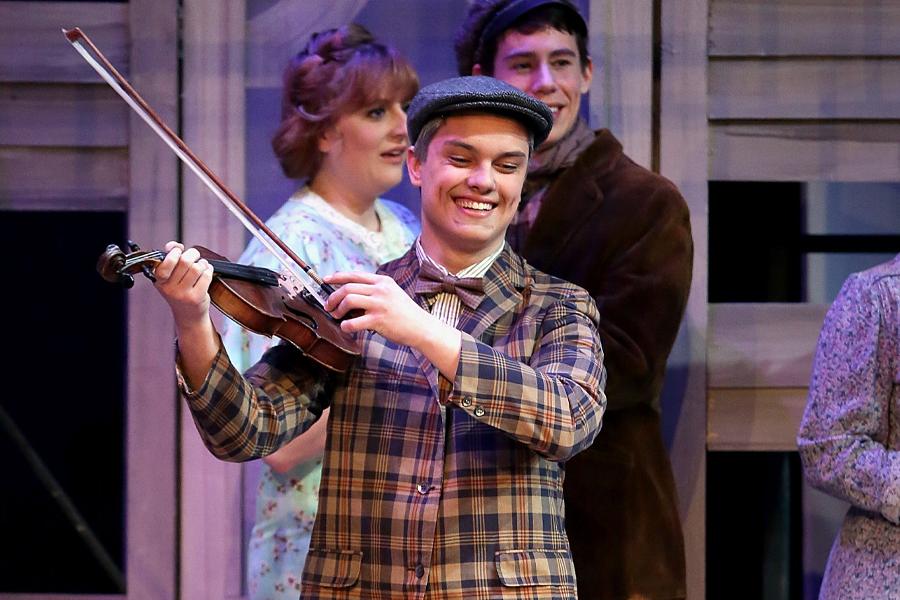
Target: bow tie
x,y
431,281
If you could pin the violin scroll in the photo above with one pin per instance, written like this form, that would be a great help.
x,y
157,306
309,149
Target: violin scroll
x,y
115,266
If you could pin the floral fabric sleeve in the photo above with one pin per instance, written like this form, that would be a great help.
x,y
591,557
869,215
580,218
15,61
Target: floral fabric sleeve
x,y
847,437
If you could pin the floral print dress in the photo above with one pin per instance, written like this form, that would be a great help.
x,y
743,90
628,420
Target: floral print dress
x,y
286,503
849,438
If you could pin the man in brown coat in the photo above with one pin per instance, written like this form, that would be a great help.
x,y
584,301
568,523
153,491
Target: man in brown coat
x,y
591,215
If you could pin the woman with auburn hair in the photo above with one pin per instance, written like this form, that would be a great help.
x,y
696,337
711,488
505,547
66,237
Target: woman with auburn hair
x,y
343,134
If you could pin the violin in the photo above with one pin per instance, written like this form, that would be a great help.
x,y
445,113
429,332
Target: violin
x,y
258,299
290,305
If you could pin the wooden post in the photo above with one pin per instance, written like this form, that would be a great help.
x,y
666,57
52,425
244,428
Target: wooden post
x,y
683,159
211,539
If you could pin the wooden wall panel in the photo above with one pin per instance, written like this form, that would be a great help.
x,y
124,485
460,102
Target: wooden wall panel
x,y
214,126
804,27
805,88
683,148
62,115
153,403
63,178
34,49
621,95
755,419
797,151
762,345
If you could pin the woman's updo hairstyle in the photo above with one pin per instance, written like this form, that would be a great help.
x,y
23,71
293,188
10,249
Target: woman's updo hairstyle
x,y
338,72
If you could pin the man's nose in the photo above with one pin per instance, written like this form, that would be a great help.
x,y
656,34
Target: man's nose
x,y
481,179
543,81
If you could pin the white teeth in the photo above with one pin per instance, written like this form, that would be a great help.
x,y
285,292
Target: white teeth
x,y
475,205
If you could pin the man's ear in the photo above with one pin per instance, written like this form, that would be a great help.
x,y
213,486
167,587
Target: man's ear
x,y
587,76
476,69
413,167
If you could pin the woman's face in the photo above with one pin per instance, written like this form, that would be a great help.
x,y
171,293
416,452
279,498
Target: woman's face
x,y
366,149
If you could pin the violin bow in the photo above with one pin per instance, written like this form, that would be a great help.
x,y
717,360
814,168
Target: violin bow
x,y
307,276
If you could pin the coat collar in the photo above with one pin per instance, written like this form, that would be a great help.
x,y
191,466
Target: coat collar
x,y
582,184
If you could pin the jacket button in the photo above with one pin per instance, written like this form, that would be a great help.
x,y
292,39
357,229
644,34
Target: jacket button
x,y
479,412
467,401
420,571
422,488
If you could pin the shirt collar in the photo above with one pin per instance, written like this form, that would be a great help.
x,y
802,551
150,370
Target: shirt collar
x,y
476,270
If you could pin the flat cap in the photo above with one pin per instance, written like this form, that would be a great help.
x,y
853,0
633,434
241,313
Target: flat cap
x,y
478,94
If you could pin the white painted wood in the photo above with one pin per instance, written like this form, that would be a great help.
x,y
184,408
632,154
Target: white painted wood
x,y
62,115
762,345
213,105
804,27
683,151
805,151
621,95
34,48
81,177
755,420
805,88
152,570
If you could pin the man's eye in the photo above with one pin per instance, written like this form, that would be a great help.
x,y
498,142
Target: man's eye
x,y
521,67
562,63
508,167
458,160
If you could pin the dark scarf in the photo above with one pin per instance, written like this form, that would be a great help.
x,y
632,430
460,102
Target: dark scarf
x,y
545,164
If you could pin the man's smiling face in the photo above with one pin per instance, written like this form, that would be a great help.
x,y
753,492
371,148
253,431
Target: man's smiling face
x,y
545,65
471,182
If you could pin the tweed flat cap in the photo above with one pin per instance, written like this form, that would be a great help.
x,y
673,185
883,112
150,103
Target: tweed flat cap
x,y
478,94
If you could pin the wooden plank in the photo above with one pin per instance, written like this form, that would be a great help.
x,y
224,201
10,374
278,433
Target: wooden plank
x,y
682,145
214,126
804,27
32,46
755,419
762,345
63,178
621,95
62,115
804,88
796,151
153,415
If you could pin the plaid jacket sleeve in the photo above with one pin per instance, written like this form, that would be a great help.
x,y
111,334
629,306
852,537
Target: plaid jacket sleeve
x,y
240,418
554,401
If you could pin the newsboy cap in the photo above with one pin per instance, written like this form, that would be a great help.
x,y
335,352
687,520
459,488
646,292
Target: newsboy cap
x,y
482,95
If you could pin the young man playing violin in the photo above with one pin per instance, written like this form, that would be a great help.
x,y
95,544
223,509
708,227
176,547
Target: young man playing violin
x,y
443,473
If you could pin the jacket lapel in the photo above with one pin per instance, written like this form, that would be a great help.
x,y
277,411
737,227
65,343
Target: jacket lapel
x,y
504,285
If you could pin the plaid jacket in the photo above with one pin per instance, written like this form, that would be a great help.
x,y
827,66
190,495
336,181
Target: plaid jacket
x,y
432,488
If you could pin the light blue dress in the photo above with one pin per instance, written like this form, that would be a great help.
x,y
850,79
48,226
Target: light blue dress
x,y
286,503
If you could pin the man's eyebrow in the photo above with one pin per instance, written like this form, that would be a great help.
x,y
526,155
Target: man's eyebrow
x,y
469,147
460,144
512,154
531,54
